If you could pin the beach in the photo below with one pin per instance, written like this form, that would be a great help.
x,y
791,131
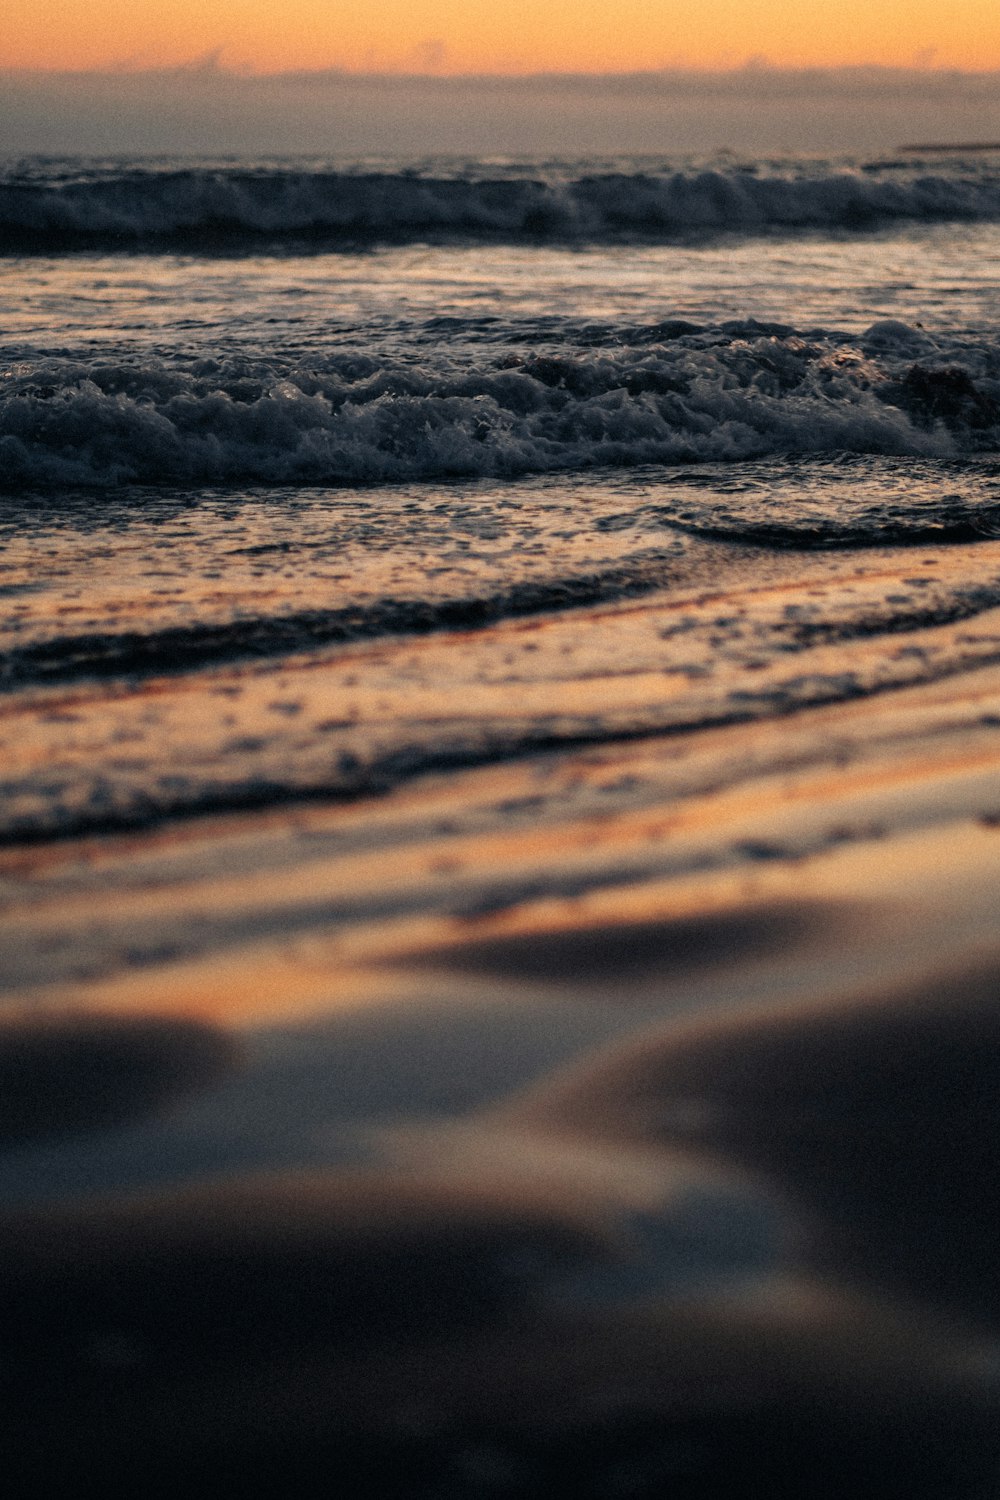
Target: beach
x,y
500,816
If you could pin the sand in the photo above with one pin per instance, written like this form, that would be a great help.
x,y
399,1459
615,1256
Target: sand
x,y
558,1052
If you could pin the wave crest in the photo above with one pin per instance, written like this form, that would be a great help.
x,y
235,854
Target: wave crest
x,y
236,207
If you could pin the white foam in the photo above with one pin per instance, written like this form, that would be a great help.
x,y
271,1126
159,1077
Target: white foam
x,y
720,394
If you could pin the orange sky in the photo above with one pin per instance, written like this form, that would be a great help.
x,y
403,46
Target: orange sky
x,y
504,36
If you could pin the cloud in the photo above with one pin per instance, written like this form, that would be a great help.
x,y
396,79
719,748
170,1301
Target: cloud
x,y
431,55
206,108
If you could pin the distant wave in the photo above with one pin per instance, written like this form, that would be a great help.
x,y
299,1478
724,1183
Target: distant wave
x,y
737,391
243,209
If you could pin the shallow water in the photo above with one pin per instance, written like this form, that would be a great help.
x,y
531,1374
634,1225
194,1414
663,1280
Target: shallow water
x,y
936,276
499,814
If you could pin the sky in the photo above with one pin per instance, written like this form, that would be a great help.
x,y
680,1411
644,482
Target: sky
x,y
515,77
498,36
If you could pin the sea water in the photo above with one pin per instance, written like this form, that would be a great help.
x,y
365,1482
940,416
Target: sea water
x,y
459,392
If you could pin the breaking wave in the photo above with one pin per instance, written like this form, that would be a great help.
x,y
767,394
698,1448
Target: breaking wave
x,y
736,391
236,207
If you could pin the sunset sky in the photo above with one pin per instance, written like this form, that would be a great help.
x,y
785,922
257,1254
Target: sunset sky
x,y
418,77
476,36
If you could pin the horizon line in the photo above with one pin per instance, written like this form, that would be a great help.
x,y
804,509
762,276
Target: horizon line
x,y
211,65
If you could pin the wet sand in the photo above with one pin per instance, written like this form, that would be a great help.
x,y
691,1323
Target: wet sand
x,y
556,1054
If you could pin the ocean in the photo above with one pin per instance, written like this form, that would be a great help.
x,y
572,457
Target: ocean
x,y
499,801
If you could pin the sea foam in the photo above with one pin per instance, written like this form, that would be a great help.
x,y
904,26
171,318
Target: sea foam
x,y
716,394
